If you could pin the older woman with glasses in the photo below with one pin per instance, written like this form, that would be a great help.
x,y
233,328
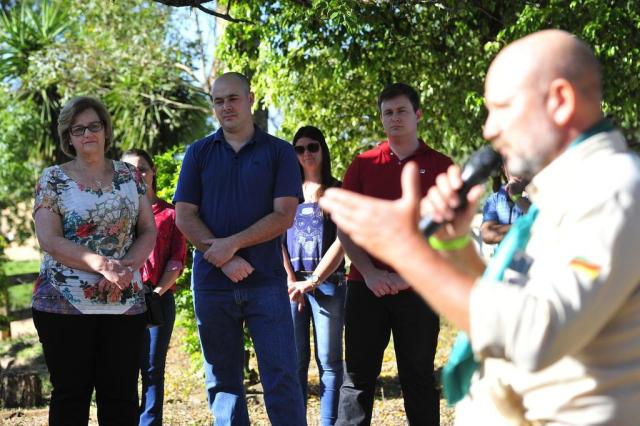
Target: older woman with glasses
x,y
313,259
96,229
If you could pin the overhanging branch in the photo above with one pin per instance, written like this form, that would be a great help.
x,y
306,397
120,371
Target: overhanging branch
x,y
224,16
198,4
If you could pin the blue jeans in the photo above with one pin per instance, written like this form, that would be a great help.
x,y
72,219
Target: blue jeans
x,y
325,308
155,344
220,315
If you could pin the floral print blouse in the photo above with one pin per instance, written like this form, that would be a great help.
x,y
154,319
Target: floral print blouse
x,y
103,220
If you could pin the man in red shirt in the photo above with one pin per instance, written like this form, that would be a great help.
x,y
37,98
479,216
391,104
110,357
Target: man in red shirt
x,y
378,300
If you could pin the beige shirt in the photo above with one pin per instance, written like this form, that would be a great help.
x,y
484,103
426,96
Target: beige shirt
x,y
568,342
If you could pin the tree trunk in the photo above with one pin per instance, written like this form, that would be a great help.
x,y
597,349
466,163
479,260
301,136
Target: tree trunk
x,y
5,321
261,117
20,390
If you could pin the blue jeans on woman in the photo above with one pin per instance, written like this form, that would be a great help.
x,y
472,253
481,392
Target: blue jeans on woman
x,y
155,344
325,308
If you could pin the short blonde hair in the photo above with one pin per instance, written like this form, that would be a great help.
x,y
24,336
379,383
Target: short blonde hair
x,y
69,112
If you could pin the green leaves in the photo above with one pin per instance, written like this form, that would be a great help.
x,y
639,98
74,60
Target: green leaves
x,y
123,52
325,64
53,50
28,36
29,29
168,170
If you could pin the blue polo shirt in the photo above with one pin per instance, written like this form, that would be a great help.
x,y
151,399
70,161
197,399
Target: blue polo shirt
x,y
235,190
500,209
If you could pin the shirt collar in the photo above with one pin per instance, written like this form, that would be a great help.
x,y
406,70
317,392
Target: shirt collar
x,y
604,125
385,148
553,182
258,135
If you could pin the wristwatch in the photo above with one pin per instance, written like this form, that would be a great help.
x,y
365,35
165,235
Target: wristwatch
x,y
313,279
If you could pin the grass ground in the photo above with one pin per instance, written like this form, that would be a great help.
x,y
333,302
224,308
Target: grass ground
x,y
20,294
21,267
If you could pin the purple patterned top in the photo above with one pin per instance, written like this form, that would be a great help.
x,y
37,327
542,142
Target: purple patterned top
x,y
304,238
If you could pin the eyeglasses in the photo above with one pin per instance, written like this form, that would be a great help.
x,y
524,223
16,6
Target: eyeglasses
x,y
311,147
94,127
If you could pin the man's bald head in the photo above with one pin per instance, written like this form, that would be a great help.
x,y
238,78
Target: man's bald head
x,y
235,77
541,57
541,92
232,103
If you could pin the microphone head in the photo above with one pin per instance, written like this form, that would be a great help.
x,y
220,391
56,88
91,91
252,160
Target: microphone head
x,y
482,164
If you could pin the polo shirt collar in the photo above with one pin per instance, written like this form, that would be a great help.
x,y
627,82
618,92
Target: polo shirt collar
x,y
385,148
258,135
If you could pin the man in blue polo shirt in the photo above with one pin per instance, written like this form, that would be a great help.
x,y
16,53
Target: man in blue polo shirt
x,y
237,193
502,209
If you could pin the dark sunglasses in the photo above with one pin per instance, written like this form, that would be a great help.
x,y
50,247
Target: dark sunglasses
x,y
311,147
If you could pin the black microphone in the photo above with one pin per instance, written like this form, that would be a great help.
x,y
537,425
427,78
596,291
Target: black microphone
x,y
482,164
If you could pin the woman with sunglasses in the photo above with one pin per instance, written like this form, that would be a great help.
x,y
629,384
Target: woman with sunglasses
x,y
314,261
96,229
160,271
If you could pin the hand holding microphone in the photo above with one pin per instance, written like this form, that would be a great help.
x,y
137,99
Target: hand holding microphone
x,y
450,192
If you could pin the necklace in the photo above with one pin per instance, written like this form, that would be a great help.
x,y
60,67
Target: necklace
x,y
98,181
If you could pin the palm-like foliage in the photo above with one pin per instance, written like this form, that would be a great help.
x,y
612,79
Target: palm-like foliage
x,y
25,33
123,52
52,50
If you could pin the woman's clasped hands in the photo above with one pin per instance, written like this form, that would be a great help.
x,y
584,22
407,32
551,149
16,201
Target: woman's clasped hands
x,y
117,273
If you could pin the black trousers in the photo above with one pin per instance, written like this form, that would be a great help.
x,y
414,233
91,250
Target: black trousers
x,y
369,321
84,352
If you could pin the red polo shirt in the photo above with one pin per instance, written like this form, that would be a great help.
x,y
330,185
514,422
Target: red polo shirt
x,y
377,173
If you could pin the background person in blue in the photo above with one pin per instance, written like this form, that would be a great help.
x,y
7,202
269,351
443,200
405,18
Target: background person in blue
x,y
502,209
237,194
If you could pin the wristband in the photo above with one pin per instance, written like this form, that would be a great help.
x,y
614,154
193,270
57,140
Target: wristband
x,y
516,197
449,245
314,280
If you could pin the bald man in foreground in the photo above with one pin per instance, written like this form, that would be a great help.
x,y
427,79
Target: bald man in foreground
x,y
558,340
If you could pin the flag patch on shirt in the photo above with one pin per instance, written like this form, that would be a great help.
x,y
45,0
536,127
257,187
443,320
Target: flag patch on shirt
x,y
583,266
